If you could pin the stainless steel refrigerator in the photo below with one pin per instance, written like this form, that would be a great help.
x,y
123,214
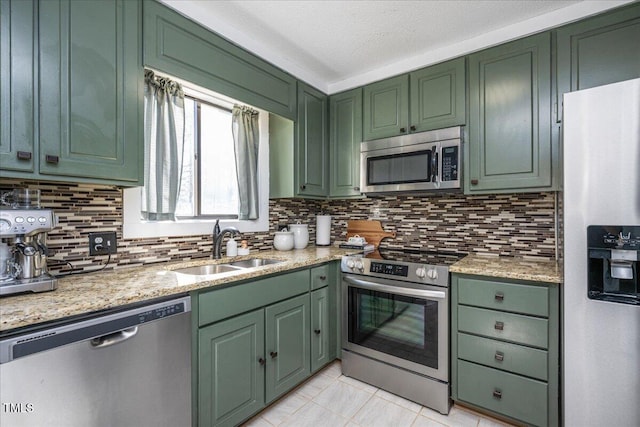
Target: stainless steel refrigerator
x,y
601,211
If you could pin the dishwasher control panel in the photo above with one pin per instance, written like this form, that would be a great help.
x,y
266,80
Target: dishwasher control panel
x,y
161,312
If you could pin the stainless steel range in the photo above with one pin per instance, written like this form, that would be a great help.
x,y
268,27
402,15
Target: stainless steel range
x,y
395,323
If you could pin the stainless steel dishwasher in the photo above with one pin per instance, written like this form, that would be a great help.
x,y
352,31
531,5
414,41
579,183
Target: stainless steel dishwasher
x,y
126,368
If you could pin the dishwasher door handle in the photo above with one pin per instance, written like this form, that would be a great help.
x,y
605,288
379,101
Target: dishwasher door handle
x,y
114,338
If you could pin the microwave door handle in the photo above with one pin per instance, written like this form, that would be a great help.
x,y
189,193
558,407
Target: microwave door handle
x,y
434,165
364,284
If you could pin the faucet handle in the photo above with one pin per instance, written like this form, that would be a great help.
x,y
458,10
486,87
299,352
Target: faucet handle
x,y
216,228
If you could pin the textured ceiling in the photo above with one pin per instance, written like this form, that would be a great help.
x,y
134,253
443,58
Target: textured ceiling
x,y
335,45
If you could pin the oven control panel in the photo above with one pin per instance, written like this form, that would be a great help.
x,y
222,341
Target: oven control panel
x,y
389,269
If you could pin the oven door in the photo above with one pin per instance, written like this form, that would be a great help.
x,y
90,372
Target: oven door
x,y
398,323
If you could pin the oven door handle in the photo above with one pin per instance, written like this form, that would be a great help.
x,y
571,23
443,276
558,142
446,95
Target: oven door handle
x,y
364,284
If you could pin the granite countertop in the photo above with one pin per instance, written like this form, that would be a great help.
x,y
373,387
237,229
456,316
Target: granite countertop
x,y
509,268
93,292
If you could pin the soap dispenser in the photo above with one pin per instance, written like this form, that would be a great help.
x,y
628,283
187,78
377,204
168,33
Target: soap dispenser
x,y
232,247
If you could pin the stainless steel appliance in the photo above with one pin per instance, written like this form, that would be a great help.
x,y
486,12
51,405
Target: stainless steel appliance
x,y
416,162
127,368
601,318
25,233
395,323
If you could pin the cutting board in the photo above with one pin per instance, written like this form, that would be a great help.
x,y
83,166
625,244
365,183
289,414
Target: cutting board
x,y
371,230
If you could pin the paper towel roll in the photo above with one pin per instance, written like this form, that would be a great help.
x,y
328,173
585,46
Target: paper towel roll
x,y
323,230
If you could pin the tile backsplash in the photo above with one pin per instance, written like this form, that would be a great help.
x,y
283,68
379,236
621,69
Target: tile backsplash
x,y
509,224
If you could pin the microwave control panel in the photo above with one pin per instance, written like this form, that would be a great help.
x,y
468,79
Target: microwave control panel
x,y
450,163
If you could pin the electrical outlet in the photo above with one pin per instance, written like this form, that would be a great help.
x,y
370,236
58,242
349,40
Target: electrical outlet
x,y
102,243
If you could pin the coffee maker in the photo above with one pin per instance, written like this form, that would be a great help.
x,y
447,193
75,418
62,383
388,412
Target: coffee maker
x,y
614,263
23,248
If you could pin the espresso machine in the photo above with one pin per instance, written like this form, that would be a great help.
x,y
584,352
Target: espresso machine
x,y
23,249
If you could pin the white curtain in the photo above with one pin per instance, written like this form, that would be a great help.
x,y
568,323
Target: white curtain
x,y
246,138
164,146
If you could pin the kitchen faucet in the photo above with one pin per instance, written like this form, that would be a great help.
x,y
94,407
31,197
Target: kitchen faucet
x,y
218,236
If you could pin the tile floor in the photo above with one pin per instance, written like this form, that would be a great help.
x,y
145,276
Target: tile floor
x,y
329,399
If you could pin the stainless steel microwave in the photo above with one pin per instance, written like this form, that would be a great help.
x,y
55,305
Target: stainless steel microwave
x,y
418,162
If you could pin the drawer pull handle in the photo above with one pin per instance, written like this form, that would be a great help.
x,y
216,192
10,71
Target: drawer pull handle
x,y
273,354
24,155
499,356
261,361
497,394
499,326
51,159
323,277
474,182
499,297
317,331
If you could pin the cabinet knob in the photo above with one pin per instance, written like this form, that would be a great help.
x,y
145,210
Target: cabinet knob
x,y
323,277
261,361
24,155
273,354
316,331
356,188
303,187
474,182
499,297
51,159
412,128
499,326
499,356
497,394
403,130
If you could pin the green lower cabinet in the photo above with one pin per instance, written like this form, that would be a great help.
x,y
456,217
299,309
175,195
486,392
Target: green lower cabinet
x,y
287,345
231,370
505,347
320,332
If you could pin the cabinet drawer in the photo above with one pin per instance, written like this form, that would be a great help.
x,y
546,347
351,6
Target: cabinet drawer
x,y
518,298
501,355
218,304
504,326
512,395
319,276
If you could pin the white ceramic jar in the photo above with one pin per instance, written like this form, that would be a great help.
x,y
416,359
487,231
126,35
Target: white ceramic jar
x,y
283,240
300,235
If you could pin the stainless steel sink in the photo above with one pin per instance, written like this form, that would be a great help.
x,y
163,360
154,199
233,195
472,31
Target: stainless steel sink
x,y
254,262
207,270
211,269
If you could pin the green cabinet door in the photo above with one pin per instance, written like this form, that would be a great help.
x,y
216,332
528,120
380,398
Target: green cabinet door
x,y
320,332
287,345
386,108
345,136
231,370
91,90
438,96
509,145
312,145
598,51
17,86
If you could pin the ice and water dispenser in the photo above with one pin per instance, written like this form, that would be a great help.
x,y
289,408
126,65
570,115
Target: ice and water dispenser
x,y
614,261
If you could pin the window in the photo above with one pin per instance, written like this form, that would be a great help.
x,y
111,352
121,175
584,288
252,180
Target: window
x,y
209,186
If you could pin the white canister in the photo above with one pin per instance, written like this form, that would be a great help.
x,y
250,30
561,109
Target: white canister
x,y
323,230
300,235
283,240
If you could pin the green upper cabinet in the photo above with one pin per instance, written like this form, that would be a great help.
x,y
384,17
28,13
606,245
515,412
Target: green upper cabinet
x,y
386,108
312,152
91,90
180,47
430,98
509,146
345,136
598,51
17,18
438,96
